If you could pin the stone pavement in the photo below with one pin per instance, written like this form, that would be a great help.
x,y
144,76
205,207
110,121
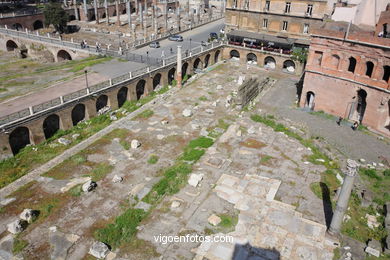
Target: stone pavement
x,y
256,163
265,224
353,144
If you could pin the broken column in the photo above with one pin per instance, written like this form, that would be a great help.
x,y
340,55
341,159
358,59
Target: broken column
x,y
136,6
141,16
85,9
345,193
178,75
118,15
106,10
128,11
76,11
96,11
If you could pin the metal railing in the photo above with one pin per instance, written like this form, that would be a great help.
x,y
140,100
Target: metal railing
x,y
94,89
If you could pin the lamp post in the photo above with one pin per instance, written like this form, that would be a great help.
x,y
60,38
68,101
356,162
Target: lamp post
x,y
190,43
86,78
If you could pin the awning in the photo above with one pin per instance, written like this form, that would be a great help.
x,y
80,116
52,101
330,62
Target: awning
x,y
265,38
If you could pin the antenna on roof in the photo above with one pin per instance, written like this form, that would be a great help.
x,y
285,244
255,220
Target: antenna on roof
x,y
347,32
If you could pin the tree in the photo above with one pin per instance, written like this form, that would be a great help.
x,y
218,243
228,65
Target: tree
x,y
300,54
55,15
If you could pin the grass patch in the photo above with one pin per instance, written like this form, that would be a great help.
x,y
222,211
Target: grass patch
x,y
316,189
145,114
101,170
222,124
203,98
323,115
19,245
153,159
265,159
122,230
228,221
76,191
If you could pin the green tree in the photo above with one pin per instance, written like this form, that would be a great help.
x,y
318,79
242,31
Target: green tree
x,y
55,15
300,54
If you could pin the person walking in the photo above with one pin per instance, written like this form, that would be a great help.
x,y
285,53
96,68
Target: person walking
x,y
339,120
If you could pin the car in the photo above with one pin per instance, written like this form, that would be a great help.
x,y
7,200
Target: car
x,y
177,38
154,45
213,35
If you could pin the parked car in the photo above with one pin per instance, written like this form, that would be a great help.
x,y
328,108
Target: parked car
x,y
154,45
213,35
176,38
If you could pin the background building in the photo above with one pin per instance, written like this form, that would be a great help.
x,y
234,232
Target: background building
x,y
347,74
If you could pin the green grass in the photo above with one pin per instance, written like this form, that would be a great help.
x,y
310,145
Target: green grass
x,y
316,189
201,142
228,221
76,191
203,98
153,159
101,170
145,114
264,159
122,230
323,114
19,245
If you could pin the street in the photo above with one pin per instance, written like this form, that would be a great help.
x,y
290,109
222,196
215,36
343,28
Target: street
x,y
115,68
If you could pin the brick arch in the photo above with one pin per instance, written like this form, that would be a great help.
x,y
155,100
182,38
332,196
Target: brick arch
x,y
51,125
78,113
17,26
198,64
122,96
140,88
251,57
234,54
269,62
184,69
38,24
11,45
157,80
63,55
101,102
206,60
171,75
19,138
217,56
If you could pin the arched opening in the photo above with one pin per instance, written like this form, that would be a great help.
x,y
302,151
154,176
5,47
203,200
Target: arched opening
x,y
184,68
334,62
37,25
216,56
156,80
114,13
171,75
101,102
17,26
51,125
93,18
310,100
140,88
352,64
198,64
78,113
124,11
122,96
63,55
234,54
289,66
19,138
386,73
269,63
11,45
369,68
251,58
206,60
361,104
72,17
104,15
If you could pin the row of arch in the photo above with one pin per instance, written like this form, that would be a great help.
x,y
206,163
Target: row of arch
x,y
269,62
367,68
20,137
61,54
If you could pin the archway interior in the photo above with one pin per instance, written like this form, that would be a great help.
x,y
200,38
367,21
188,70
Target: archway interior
x,y
101,102
18,139
122,96
11,45
361,104
171,75
156,80
63,55
140,88
51,125
78,113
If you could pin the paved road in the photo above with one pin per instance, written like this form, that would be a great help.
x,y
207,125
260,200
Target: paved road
x,y
353,144
115,68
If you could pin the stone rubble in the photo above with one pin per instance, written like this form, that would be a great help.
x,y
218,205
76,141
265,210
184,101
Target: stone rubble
x,y
16,226
135,144
99,250
195,179
89,186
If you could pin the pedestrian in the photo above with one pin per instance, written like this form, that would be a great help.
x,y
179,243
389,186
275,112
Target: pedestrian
x,y
171,50
162,55
186,53
339,120
82,44
355,125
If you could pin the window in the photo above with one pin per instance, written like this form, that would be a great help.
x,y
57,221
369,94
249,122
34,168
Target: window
x,y
334,62
287,8
352,64
285,26
246,5
369,68
386,73
317,58
309,10
306,28
265,23
234,4
267,5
